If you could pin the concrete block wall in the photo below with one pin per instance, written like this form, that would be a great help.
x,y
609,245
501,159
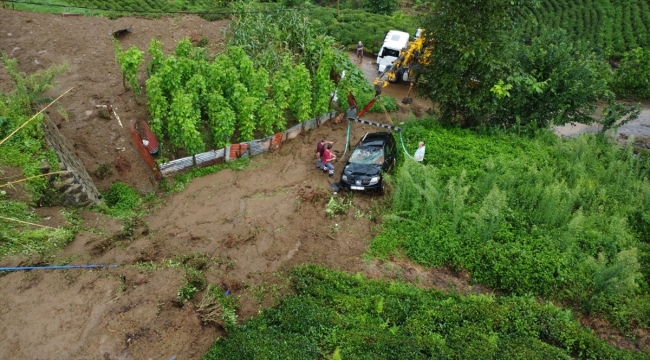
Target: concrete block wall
x,y
76,187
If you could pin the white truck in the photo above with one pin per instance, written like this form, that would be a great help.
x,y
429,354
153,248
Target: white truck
x,y
390,50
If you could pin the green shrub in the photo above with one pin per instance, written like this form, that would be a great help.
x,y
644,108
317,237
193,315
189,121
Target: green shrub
x,y
539,215
334,314
631,78
121,197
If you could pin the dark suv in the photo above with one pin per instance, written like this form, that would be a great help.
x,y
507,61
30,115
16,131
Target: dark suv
x,y
375,154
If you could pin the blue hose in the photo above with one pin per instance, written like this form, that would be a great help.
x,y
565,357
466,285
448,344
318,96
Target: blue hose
x,y
53,267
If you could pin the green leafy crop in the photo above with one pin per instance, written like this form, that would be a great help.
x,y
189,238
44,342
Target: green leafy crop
x,y
333,314
562,219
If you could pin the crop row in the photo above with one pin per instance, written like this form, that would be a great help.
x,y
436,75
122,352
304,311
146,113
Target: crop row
x,y
337,316
149,5
613,27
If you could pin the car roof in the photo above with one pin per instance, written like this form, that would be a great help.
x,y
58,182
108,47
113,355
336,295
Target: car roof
x,y
375,139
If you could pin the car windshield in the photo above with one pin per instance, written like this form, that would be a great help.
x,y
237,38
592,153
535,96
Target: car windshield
x,y
367,155
390,52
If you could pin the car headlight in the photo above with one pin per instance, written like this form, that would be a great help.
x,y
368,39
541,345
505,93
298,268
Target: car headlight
x,y
344,178
374,180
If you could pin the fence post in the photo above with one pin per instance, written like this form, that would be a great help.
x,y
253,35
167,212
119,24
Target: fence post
x,y
226,153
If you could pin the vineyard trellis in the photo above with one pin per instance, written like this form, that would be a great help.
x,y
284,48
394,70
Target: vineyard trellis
x,y
197,102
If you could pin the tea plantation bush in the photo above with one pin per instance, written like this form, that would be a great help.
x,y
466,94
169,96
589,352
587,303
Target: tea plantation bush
x,y
352,26
563,219
613,27
334,315
632,78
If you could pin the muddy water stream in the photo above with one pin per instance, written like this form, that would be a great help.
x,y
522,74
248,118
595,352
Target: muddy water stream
x,y
639,127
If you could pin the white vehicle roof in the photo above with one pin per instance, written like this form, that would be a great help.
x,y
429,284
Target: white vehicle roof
x,y
396,39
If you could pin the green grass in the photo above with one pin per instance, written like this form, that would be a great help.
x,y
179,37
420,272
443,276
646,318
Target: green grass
x,y
22,239
53,6
560,219
337,316
117,8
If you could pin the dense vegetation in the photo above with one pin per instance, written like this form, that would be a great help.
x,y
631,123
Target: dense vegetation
x,y
208,9
337,316
267,38
612,27
275,71
27,151
566,220
352,26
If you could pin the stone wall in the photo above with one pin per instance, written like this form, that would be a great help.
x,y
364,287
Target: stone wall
x,y
76,187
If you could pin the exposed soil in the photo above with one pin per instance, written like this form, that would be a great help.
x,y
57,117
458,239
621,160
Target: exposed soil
x,y
252,225
39,41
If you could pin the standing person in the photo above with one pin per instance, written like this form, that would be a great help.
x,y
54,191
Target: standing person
x,y
320,148
328,157
360,52
419,153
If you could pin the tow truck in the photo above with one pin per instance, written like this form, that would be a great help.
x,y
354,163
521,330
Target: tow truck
x,y
405,67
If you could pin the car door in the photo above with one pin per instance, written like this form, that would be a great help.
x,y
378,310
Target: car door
x,y
388,157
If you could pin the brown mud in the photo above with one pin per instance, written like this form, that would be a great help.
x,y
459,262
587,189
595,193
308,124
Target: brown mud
x,y
250,225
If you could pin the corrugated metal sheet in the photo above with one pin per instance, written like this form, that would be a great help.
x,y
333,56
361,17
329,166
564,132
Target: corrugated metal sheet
x,y
310,125
176,166
254,147
257,147
292,132
209,158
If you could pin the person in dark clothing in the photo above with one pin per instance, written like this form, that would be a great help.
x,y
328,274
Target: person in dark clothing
x,y
320,148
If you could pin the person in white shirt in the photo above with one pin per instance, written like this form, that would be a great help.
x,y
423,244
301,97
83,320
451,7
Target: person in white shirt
x,y
419,153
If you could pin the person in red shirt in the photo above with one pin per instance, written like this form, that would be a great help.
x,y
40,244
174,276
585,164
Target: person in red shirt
x,y
320,148
328,157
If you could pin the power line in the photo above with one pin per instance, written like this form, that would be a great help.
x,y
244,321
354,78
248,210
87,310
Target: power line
x,y
229,12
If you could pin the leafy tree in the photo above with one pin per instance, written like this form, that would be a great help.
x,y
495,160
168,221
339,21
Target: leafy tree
x,y
553,81
182,125
470,48
157,104
221,119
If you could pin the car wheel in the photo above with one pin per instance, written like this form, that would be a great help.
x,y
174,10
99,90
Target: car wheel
x,y
382,188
